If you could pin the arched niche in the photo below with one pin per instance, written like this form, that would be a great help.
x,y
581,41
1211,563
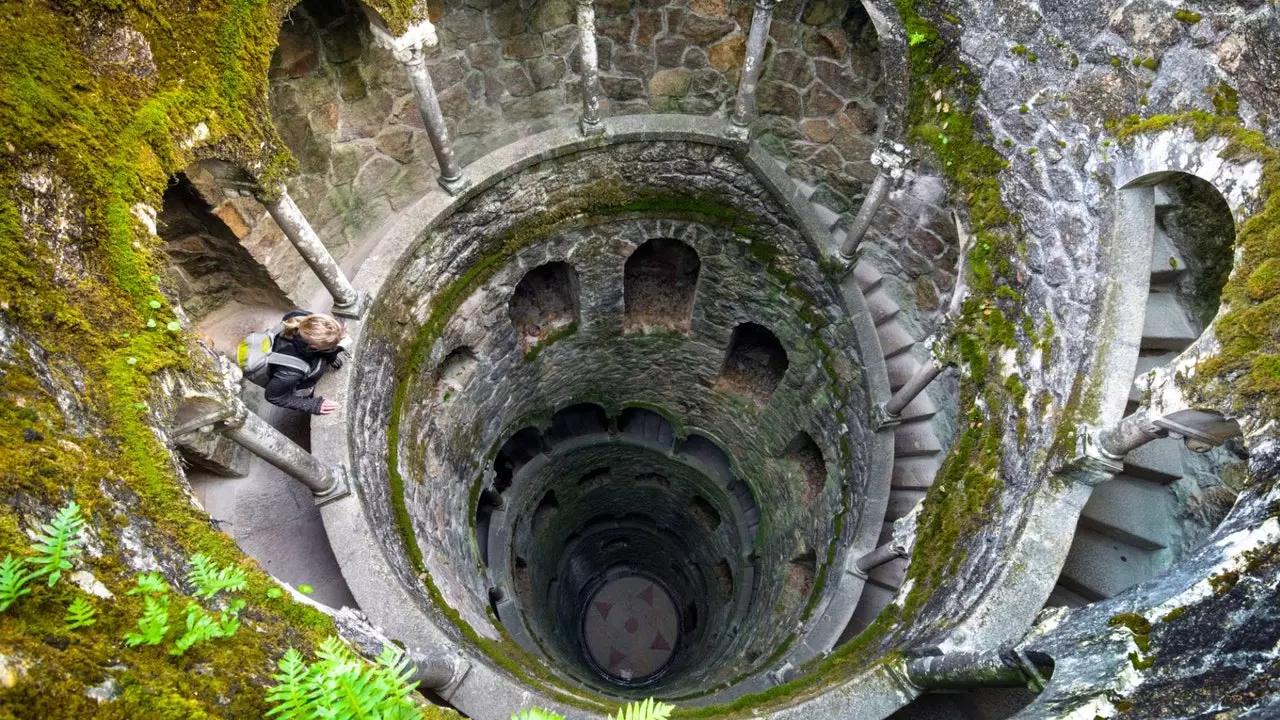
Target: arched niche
x,y
660,282
755,362
545,303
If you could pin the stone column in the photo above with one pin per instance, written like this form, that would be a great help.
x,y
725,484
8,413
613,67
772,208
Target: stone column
x,y
246,428
877,557
960,670
346,301
744,106
429,106
590,120
912,388
1131,433
892,160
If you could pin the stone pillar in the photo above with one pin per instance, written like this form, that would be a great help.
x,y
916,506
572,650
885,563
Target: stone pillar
x,y
962,670
1131,433
439,670
745,104
429,106
914,387
590,121
408,49
346,301
259,438
892,160
874,559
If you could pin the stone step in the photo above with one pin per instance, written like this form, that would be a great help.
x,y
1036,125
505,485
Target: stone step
x,y
915,472
921,408
828,217
1140,513
805,188
1159,461
838,234
891,574
1103,566
1147,363
1167,264
901,502
1062,596
911,439
886,533
1163,200
868,276
900,369
882,306
894,338
875,598
1166,326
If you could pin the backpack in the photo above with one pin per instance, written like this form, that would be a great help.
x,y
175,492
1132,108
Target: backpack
x,y
255,356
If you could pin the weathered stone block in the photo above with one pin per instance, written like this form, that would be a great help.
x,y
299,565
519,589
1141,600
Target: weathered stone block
x,y
622,88
508,20
350,83
821,12
728,53
703,30
523,47
775,97
825,42
297,54
673,82
545,71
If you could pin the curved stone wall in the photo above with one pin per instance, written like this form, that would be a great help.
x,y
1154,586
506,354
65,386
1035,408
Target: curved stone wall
x,y
448,381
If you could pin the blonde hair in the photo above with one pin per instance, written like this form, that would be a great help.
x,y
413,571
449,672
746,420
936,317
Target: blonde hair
x,y
319,331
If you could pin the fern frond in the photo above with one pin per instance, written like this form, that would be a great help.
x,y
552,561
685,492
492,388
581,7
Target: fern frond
x,y
396,671
200,628
150,583
209,580
153,625
13,581
536,713
290,696
58,542
80,613
647,709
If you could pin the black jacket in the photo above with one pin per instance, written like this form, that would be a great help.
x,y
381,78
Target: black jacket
x,y
285,384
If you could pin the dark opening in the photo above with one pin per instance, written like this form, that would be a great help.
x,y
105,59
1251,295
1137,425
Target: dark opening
x,y
576,420
545,303
520,449
755,363
660,282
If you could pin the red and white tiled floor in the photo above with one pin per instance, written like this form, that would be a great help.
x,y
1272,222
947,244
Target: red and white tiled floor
x,y
631,628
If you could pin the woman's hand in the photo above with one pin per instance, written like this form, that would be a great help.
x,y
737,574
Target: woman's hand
x,y
327,406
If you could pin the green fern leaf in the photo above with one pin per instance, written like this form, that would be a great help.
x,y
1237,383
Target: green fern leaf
x,y
200,628
13,581
153,625
536,713
80,613
290,696
647,709
58,542
151,583
208,579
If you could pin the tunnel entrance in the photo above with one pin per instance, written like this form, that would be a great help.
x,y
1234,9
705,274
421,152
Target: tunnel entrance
x,y
637,547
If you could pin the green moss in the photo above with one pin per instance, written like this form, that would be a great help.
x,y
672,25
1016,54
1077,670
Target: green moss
x,y
1020,50
1174,614
1187,16
1250,351
110,140
1226,101
552,337
1223,582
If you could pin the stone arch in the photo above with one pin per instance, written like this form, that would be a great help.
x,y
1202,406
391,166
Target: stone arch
x,y
545,303
660,282
755,363
455,372
522,447
576,420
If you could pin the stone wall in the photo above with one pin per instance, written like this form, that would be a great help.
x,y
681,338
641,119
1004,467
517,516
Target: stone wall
x,y
755,268
209,266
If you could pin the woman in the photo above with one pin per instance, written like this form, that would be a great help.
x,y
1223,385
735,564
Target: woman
x,y
315,338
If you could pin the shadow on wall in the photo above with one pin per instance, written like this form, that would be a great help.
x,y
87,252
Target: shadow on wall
x,y
544,305
661,281
207,263
755,363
